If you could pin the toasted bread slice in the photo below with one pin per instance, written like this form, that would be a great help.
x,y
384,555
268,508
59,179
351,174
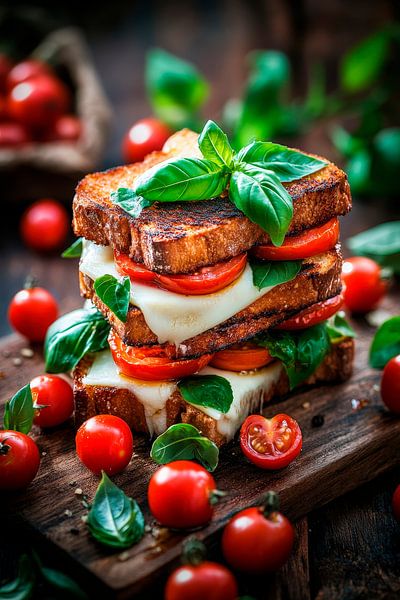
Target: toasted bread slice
x,y
319,280
91,400
184,236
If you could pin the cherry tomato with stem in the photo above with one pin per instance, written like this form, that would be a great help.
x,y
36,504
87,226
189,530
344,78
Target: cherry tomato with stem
x,y
181,495
199,579
19,460
259,539
145,136
104,443
26,69
365,285
396,503
32,311
53,400
45,225
390,385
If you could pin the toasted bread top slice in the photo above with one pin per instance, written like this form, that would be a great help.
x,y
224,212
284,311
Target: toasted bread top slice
x,y
180,237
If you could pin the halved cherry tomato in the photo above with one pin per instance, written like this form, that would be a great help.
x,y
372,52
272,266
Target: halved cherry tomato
x,y
365,286
152,363
305,244
318,312
206,280
241,357
271,443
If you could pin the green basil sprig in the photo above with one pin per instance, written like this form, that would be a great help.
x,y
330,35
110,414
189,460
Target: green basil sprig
x,y
72,336
19,412
115,294
381,243
267,274
212,391
337,327
254,177
74,250
184,442
386,343
115,519
129,201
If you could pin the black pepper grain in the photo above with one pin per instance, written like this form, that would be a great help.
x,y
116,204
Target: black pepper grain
x,y
317,421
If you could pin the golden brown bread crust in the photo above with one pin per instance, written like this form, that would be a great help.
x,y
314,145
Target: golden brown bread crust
x,y
91,400
183,236
319,280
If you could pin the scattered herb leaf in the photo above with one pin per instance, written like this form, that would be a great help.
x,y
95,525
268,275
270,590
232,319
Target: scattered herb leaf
x,y
19,412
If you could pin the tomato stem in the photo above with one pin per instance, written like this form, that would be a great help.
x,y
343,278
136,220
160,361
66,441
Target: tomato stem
x,y
215,496
270,503
193,551
4,448
31,282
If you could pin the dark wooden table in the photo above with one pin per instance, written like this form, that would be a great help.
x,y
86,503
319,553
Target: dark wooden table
x,y
351,548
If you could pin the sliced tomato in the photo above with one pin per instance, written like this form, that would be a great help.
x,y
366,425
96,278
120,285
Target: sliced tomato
x,y
241,357
306,244
271,443
151,363
318,312
206,280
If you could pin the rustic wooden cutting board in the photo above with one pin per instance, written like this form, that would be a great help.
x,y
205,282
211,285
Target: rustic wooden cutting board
x,y
351,447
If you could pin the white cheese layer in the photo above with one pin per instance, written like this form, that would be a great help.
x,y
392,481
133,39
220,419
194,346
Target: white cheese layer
x,y
248,391
174,317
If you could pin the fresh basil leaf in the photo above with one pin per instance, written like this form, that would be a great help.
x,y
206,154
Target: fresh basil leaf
x,y
18,412
262,198
337,327
21,587
286,163
266,274
358,170
212,391
74,250
184,442
182,179
72,336
176,89
362,65
382,240
386,343
215,146
115,519
63,584
115,294
129,201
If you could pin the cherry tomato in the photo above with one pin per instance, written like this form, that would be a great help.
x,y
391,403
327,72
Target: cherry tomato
x,y
271,443
56,396
45,225
180,495
308,243
396,503
145,136
39,101
364,284
241,357
32,311
256,540
152,363
390,385
318,312
19,460
208,580
104,443
25,70
67,128
13,135
206,280
5,67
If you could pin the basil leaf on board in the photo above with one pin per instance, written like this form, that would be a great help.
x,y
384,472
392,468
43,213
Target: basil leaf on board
x,y
262,198
337,327
266,274
72,336
362,65
62,583
212,391
74,250
215,146
19,412
184,442
182,179
21,587
300,352
386,343
114,293
129,201
381,243
115,519
287,164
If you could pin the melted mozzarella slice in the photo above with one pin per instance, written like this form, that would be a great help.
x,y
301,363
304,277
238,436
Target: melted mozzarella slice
x,y
174,317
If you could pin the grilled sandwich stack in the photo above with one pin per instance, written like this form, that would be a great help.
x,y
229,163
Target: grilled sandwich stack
x,y
208,318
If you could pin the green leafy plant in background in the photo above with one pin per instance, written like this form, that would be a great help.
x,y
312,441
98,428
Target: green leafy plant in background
x,y
381,243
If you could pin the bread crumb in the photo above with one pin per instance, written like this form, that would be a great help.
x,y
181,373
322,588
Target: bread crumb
x,y
17,362
68,513
306,405
78,492
123,556
27,352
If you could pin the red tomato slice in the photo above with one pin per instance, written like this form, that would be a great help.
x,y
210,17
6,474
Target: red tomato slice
x,y
206,280
245,357
151,363
270,443
306,244
318,312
